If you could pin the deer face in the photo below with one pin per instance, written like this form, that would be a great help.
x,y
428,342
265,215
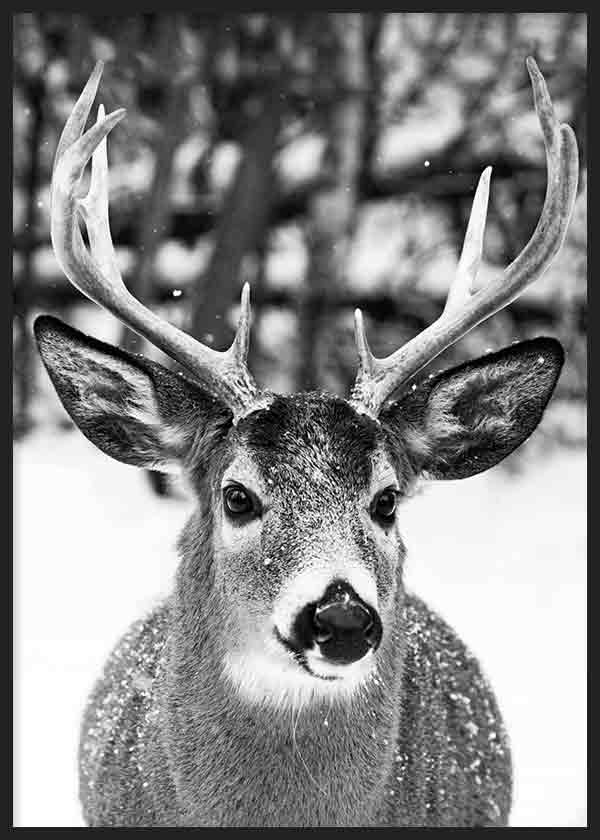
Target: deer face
x,y
299,552
306,543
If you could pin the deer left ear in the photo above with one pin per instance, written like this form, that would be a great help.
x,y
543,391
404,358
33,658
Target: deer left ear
x,y
469,418
131,408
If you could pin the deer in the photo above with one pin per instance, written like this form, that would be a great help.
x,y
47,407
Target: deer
x,y
290,678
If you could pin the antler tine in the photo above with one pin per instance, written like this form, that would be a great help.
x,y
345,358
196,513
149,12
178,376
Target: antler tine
x,y
465,279
469,303
225,374
94,208
78,117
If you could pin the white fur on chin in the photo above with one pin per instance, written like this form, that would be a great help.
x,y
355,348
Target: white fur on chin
x,y
270,675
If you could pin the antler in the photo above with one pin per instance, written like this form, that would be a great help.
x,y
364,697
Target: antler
x,y
468,303
97,275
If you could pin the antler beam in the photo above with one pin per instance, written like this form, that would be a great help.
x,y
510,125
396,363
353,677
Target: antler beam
x,y
96,274
469,303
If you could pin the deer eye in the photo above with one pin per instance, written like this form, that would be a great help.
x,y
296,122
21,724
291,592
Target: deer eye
x,y
384,508
238,503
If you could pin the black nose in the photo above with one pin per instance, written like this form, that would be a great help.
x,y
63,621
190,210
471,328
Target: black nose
x,y
344,626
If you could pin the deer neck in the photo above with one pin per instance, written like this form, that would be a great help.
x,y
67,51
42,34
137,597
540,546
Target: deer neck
x,y
261,764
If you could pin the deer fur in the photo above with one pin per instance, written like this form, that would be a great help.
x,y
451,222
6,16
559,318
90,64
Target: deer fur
x,y
202,717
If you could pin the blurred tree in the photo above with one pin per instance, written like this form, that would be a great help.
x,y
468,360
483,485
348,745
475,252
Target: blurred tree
x,y
341,56
31,79
360,136
172,77
242,226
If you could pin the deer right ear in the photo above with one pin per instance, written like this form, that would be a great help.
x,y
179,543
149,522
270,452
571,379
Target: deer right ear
x,y
131,408
467,419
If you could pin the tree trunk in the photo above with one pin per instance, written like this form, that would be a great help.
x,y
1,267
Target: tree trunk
x,y
24,353
157,208
242,225
332,210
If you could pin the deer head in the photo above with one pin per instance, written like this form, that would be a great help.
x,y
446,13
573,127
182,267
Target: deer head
x,y
295,548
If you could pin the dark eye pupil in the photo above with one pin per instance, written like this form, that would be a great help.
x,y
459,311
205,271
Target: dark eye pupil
x,y
386,504
237,501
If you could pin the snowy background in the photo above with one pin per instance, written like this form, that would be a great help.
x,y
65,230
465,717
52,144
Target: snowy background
x,y
352,186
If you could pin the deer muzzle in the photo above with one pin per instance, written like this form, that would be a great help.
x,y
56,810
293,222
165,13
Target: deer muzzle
x,y
341,624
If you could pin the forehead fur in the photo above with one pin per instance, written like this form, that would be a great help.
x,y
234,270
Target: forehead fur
x,y
310,434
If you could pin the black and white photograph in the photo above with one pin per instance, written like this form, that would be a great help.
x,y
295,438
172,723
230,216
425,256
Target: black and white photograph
x,y
299,419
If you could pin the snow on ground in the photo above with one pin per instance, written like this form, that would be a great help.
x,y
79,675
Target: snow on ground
x,y
503,558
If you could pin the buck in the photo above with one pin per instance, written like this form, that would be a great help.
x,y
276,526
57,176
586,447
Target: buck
x,y
290,679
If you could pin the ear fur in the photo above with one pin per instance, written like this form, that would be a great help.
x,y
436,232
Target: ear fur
x,y
131,408
467,419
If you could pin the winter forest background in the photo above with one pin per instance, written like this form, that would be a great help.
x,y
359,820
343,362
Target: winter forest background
x,y
330,159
